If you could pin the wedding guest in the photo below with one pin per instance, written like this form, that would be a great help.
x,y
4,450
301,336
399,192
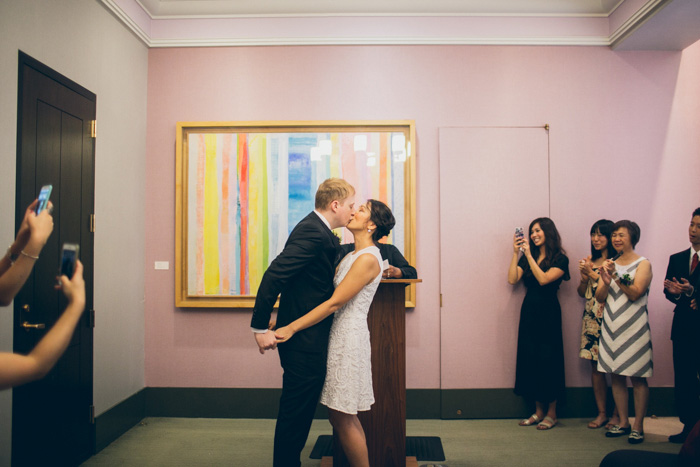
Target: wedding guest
x,y
18,369
601,249
539,373
625,340
398,268
19,260
15,268
682,279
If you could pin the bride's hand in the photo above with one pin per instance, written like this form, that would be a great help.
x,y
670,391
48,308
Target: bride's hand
x,y
283,334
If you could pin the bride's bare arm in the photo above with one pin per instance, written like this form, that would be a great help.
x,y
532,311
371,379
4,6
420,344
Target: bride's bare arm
x,y
362,272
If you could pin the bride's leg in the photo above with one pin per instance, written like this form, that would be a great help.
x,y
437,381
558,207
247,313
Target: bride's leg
x,y
352,437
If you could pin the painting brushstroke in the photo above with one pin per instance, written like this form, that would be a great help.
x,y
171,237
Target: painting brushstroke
x,y
211,219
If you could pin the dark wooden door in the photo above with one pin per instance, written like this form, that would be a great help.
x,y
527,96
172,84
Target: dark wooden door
x,y
52,419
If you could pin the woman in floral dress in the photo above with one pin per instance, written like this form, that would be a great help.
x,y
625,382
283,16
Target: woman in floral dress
x,y
601,249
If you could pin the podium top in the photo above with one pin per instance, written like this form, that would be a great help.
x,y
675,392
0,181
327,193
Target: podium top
x,y
401,281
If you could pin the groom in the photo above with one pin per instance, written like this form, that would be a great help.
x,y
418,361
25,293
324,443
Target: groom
x,y
303,274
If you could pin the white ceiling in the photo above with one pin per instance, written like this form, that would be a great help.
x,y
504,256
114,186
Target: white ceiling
x,y
218,8
621,24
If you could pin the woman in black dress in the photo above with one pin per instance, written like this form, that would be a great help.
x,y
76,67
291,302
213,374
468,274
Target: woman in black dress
x,y
539,373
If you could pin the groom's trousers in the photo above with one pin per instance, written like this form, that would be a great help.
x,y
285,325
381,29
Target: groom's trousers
x,y
302,382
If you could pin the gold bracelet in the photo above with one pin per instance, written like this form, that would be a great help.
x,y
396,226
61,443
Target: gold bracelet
x,y
28,255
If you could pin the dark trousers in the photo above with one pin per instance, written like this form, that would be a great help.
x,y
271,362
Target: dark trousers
x,y
302,382
639,458
686,366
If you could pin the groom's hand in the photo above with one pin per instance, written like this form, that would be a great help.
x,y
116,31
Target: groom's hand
x,y
265,341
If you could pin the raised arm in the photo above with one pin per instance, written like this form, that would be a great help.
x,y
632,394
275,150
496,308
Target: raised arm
x,y
678,292
515,272
605,272
639,287
586,270
31,238
19,369
363,271
542,277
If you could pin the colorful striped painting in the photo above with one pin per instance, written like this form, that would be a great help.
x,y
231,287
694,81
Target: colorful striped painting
x,y
247,191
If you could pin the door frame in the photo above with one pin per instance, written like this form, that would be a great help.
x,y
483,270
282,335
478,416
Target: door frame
x,y
22,193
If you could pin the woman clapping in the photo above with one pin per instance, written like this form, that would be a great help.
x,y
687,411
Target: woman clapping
x,y
625,340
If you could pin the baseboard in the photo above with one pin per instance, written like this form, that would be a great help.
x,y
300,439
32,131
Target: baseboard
x,y
503,403
119,419
420,404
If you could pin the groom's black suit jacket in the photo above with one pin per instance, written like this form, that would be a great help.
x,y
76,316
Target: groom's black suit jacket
x,y
686,321
302,275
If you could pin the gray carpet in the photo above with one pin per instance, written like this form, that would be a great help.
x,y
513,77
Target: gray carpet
x,y
246,442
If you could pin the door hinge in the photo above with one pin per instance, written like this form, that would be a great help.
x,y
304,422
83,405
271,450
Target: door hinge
x,y
92,223
93,128
440,300
92,415
91,323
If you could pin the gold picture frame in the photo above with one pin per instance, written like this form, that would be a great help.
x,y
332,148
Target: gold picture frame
x,y
241,187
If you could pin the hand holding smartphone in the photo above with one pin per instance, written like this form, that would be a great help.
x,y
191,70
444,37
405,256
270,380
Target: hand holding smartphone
x,y
69,255
44,196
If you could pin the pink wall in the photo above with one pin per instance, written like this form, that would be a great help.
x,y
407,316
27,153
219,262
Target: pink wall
x,y
623,144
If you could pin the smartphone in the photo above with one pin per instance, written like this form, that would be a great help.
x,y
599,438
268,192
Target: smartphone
x,y
69,255
519,235
44,195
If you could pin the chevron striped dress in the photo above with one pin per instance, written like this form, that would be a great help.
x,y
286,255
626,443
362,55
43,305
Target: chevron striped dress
x,y
625,340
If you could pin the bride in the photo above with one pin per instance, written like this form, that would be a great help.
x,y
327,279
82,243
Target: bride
x,y
348,385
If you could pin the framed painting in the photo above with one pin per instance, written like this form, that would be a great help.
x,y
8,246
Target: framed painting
x,y
242,186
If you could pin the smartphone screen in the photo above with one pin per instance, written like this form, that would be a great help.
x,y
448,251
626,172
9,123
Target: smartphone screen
x,y
44,195
69,255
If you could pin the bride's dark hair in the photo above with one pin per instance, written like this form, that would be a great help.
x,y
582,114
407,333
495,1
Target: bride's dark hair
x,y
382,217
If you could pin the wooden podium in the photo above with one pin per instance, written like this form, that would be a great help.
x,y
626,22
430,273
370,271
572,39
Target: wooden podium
x,y
385,423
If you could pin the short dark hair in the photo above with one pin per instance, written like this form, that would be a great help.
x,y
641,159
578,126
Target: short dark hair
x,y
696,212
632,228
382,217
604,227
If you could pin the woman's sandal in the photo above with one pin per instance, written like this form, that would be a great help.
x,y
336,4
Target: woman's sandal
x,y
636,437
547,424
530,421
595,425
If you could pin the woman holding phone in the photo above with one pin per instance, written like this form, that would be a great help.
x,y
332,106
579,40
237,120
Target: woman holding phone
x,y
539,373
15,268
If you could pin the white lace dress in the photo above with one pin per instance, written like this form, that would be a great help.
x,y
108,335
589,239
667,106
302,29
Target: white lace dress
x,y
348,386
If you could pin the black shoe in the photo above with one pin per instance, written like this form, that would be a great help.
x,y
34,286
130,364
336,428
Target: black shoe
x,y
678,438
617,431
636,437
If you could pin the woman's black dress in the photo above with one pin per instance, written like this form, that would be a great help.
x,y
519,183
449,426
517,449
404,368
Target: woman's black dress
x,y
539,372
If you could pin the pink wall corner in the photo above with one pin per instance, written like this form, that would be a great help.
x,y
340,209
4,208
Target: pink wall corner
x,y
623,114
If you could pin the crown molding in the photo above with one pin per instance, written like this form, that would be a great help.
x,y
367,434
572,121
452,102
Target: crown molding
x,y
635,21
121,15
319,41
142,32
